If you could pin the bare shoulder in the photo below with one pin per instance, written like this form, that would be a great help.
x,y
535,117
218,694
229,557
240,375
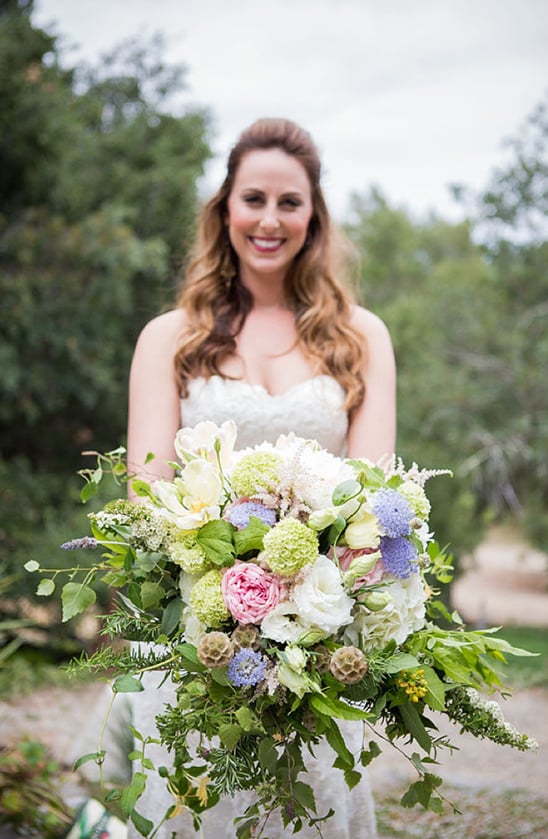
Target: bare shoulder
x,y
164,330
371,326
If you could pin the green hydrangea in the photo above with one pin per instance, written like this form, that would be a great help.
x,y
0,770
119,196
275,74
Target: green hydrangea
x,y
185,551
416,497
207,601
289,546
255,473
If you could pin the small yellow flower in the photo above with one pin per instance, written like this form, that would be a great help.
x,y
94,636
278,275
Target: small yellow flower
x,y
201,791
180,806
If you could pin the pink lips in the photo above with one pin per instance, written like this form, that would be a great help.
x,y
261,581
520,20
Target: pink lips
x,y
266,245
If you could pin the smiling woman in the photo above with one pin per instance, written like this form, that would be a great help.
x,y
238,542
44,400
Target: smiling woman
x,y
264,334
269,210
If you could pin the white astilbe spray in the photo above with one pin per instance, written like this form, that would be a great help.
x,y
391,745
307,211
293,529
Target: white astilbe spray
x,y
394,466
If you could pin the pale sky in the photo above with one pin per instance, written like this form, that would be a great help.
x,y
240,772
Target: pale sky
x,y
407,95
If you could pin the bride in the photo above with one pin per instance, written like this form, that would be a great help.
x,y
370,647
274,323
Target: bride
x,y
263,334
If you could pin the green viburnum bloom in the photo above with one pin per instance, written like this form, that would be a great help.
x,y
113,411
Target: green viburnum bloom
x,y
416,496
290,546
185,551
255,473
207,601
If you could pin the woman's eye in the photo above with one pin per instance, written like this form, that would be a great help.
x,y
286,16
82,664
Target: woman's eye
x,y
291,202
252,199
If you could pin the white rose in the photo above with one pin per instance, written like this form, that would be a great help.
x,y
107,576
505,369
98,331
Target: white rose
x,y
399,618
321,600
194,630
317,475
283,624
208,441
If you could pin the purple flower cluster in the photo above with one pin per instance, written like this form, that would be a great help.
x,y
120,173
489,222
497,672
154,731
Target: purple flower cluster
x,y
246,668
393,512
240,513
85,542
399,556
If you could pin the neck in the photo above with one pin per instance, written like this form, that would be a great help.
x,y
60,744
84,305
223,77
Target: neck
x,y
266,292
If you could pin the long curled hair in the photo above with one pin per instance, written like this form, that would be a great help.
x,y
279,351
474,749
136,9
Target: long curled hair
x,y
217,303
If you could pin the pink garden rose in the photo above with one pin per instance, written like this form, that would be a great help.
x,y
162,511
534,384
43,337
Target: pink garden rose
x,y
250,592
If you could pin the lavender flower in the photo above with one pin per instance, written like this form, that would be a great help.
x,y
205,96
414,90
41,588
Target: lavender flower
x,y
86,542
394,512
399,556
246,668
239,514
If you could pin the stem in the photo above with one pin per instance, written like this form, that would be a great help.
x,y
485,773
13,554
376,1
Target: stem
x,y
101,737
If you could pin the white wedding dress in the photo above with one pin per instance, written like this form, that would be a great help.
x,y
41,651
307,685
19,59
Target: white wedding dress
x,y
313,409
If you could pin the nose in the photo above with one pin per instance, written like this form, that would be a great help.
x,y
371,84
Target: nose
x,y
269,219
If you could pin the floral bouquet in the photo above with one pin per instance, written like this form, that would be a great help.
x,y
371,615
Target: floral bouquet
x,y
281,590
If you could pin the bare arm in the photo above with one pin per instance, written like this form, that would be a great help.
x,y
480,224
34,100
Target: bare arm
x,y
372,431
154,410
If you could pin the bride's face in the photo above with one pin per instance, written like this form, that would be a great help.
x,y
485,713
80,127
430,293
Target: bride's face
x,y
269,210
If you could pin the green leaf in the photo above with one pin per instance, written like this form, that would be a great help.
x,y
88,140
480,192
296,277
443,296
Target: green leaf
x,y
188,652
144,826
141,488
401,661
151,594
336,529
132,793
229,734
245,717
344,491
268,755
250,538
171,616
127,684
336,741
88,491
215,539
45,588
75,598
370,754
415,725
352,777
95,756
336,708
304,794
435,696
31,565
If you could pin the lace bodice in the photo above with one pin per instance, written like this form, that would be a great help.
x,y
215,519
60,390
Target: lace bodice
x,y
313,409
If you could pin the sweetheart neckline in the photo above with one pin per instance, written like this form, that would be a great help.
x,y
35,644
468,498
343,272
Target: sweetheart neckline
x,y
265,390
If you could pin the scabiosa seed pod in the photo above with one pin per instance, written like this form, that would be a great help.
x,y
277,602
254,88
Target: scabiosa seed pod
x,y
215,650
348,665
321,658
245,636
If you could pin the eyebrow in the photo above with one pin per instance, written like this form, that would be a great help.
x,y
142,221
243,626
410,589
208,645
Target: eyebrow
x,y
291,194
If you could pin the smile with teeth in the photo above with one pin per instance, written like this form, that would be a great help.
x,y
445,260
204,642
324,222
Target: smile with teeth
x,y
266,244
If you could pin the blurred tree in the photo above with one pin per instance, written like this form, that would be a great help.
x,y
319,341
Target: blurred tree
x,y
98,201
98,179
467,306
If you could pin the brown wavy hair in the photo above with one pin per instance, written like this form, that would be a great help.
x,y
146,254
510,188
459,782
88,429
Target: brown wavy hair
x,y
217,304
